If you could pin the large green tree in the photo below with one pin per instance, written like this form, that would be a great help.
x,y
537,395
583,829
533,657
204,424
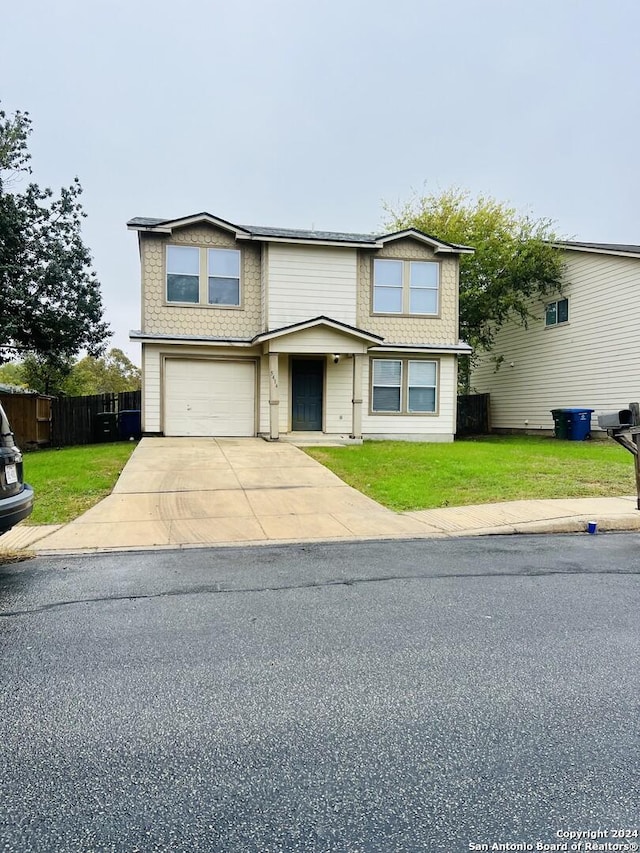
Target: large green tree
x,y
50,301
109,374
514,259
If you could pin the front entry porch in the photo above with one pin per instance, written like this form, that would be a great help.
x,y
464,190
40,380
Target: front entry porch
x,y
315,381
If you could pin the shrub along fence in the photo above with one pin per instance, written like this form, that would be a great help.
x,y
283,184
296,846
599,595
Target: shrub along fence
x,y
473,414
73,419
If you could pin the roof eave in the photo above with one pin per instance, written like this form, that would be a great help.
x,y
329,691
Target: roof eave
x,y
308,241
593,250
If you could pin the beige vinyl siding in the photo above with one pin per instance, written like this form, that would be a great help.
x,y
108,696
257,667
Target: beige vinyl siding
x,y
150,388
316,340
590,361
436,427
338,396
309,281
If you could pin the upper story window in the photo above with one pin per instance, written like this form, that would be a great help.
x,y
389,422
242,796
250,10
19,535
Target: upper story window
x,y
224,277
556,312
406,287
203,276
183,274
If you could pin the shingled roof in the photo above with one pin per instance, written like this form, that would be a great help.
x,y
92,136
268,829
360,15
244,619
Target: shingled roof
x,y
258,232
603,248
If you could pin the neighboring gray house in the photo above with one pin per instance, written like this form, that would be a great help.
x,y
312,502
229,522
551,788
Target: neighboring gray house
x,y
582,348
268,331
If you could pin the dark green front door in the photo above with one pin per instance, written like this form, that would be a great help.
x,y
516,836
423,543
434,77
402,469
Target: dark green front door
x,y
307,380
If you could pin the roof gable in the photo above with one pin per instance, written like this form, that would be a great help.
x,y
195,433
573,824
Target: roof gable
x,y
166,226
327,322
438,246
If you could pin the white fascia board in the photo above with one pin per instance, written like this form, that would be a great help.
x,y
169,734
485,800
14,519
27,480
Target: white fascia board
x,y
590,251
306,242
301,327
436,245
210,220
159,229
454,349
140,337
169,226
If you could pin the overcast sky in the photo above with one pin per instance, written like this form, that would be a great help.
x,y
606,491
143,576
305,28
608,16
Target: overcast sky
x,y
312,113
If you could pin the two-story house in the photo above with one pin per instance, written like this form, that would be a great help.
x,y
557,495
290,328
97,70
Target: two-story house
x,y
268,331
579,348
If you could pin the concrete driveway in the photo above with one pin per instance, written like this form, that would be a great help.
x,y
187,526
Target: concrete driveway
x,y
203,491
195,491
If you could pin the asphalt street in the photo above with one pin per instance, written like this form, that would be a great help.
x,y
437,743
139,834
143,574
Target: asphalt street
x,y
426,695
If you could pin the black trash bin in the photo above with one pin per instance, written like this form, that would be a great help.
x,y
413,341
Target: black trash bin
x,y
560,423
129,424
573,424
105,427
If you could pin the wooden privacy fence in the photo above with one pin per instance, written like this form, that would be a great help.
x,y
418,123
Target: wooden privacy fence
x,y
30,418
473,414
73,418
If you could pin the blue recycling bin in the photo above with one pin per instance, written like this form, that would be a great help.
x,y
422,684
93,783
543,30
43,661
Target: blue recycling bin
x,y
578,423
129,424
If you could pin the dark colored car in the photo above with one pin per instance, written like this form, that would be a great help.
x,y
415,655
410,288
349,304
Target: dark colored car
x,y
16,496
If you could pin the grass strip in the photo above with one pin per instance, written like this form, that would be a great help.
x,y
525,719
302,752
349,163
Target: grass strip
x,y
413,475
70,480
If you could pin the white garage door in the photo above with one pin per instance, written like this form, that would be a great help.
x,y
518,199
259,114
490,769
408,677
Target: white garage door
x,y
209,397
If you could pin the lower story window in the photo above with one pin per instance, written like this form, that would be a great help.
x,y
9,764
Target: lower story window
x,y
421,386
404,386
387,386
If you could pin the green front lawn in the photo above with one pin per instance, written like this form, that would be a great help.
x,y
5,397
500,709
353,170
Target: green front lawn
x,y
69,481
409,476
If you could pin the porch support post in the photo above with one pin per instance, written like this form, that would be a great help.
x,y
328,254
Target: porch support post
x,y
274,397
356,414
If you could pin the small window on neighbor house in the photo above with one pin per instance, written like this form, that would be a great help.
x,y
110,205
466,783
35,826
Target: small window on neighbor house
x,y
183,274
557,312
224,277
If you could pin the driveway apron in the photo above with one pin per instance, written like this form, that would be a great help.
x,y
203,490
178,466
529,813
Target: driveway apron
x,y
199,491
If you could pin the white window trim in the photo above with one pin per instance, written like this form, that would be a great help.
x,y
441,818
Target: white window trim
x,y
406,288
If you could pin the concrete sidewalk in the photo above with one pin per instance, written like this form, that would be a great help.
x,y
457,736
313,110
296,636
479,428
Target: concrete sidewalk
x,y
196,492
